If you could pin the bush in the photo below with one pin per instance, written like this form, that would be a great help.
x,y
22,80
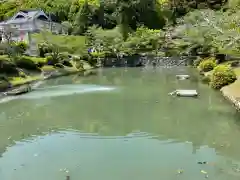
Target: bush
x,y
67,63
3,47
51,60
26,63
59,65
98,54
21,47
92,61
79,65
222,75
7,67
207,64
44,48
4,84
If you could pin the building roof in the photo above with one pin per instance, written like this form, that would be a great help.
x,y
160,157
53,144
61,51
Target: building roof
x,y
28,15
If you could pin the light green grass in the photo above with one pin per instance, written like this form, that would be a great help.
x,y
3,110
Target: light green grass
x,y
19,80
70,44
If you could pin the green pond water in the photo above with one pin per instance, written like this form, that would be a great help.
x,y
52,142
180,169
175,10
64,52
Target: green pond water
x,y
120,124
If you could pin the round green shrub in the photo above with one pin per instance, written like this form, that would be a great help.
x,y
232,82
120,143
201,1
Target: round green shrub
x,y
26,63
207,64
44,48
222,75
4,84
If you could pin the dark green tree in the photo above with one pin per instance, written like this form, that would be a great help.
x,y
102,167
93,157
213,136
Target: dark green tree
x,y
83,19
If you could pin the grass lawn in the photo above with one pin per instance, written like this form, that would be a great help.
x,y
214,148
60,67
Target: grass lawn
x,y
70,44
19,80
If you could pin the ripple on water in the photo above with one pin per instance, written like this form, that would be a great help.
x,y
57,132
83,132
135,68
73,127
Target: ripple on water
x,y
60,90
90,156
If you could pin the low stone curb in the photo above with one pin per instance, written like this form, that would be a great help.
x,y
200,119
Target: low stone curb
x,y
233,100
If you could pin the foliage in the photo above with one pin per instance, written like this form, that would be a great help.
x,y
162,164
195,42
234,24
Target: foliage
x,y
182,7
69,26
222,75
7,67
44,48
26,63
70,44
111,43
21,47
207,64
85,13
83,19
207,33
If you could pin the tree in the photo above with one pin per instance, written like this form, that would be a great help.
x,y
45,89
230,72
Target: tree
x,y
83,19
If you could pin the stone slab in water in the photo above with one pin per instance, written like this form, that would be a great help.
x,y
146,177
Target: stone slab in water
x,y
182,77
186,93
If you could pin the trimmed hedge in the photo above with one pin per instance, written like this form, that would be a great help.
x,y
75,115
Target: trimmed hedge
x,y
207,64
222,75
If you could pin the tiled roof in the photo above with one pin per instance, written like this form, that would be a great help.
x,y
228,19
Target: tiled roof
x,y
17,21
30,13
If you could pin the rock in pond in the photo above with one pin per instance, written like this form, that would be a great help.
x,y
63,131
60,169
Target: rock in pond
x,y
19,90
184,93
182,77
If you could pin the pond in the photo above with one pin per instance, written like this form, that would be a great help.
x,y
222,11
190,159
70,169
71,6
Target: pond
x,y
120,124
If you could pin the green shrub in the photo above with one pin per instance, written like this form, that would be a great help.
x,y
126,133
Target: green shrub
x,y
21,47
59,65
7,67
44,48
207,64
51,61
92,61
222,75
3,48
79,65
4,85
26,63
98,54
67,63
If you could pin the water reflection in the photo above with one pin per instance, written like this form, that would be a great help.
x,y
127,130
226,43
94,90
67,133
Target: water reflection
x,y
88,156
136,133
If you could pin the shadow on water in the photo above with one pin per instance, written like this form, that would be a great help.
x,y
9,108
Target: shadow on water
x,y
136,133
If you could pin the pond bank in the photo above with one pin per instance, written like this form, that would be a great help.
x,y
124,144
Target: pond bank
x,y
47,75
232,91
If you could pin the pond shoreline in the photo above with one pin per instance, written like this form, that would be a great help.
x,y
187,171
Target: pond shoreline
x,y
231,98
51,75
229,92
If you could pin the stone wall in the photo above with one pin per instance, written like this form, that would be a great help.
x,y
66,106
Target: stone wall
x,y
137,60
